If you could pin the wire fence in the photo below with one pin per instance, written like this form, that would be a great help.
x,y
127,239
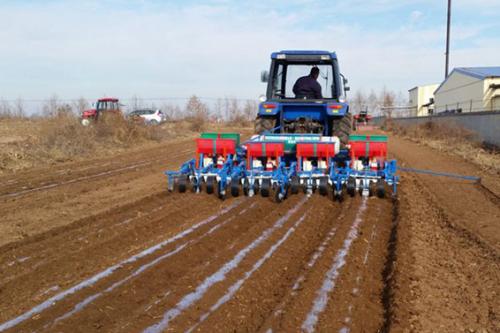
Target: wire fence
x,y
223,108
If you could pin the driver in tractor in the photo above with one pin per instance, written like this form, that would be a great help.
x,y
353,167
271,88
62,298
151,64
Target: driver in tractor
x,y
308,86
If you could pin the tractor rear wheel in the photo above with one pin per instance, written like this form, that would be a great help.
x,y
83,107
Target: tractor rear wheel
x,y
342,128
263,125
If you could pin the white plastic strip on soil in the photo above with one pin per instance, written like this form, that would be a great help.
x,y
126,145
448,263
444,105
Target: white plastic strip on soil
x,y
332,274
80,306
318,252
41,254
316,255
110,270
220,275
237,285
355,291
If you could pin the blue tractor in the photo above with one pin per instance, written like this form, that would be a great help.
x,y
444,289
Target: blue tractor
x,y
285,111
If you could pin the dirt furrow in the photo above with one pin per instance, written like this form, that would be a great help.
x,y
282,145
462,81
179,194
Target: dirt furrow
x,y
127,302
65,205
52,250
47,178
444,279
248,211
97,257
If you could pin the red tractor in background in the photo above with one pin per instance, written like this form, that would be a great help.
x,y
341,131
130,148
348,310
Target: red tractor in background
x,y
109,105
361,119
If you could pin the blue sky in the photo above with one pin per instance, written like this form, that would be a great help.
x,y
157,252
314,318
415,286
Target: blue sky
x,y
217,48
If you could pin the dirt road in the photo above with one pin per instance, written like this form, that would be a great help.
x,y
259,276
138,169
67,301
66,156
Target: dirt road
x,y
101,246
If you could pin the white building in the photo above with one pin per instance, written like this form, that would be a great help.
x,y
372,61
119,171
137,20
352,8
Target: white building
x,y
469,89
421,100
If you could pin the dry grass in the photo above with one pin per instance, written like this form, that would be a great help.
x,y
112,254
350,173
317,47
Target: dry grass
x,y
62,138
26,143
451,139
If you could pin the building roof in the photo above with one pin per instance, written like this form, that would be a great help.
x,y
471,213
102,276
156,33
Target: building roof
x,y
424,86
480,73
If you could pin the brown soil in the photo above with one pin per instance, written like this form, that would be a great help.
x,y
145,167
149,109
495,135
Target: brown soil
x,y
427,263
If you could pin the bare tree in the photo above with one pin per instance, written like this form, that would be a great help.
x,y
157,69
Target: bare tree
x,y
387,99
217,111
359,101
250,110
372,102
197,113
172,111
49,108
5,109
135,103
19,109
80,105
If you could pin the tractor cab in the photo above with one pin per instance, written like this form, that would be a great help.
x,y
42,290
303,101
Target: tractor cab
x,y
103,105
284,111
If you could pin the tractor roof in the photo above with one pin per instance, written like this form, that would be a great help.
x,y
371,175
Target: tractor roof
x,y
108,99
274,55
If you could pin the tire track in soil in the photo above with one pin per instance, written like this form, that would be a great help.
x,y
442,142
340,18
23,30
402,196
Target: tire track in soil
x,y
69,271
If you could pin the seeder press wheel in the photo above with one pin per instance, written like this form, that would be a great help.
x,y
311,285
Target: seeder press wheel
x,y
235,187
351,186
380,188
323,186
265,187
294,185
210,183
182,183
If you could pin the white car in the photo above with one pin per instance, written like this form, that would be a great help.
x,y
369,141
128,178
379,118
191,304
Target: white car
x,y
150,116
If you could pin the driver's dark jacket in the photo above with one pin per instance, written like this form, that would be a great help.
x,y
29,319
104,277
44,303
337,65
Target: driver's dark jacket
x,y
307,87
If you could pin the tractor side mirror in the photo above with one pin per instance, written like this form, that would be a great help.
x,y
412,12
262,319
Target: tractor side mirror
x,y
264,76
347,88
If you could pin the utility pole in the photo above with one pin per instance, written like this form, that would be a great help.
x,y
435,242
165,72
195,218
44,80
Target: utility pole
x,y
448,41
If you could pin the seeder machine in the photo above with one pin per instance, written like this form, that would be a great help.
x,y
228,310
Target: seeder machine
x,y
284,164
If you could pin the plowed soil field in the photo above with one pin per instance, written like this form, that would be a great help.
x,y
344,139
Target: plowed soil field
x,y
101,246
